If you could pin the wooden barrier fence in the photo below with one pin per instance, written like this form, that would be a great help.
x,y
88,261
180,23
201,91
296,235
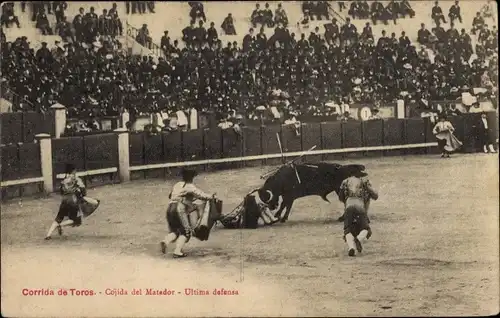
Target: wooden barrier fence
x,y
121,156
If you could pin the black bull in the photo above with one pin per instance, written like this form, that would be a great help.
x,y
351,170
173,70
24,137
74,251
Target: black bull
x,y
315,179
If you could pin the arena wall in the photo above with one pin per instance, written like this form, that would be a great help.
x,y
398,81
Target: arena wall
x,y
98,158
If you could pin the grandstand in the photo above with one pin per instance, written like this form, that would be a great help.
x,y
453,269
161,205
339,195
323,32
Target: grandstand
x,y
175,16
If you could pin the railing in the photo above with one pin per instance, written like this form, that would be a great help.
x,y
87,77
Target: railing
x,y
335,13
155,48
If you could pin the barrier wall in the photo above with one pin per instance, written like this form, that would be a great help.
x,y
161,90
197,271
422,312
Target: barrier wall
x,y
99,154
22,127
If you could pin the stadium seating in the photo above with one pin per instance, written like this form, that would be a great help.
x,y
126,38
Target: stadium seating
x,y
174,17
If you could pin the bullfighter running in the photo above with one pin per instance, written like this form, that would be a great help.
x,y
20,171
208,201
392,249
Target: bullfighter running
x,y
355,191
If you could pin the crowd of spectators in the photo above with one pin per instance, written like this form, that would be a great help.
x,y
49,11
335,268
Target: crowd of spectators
x,y
139,7
336,65
377,12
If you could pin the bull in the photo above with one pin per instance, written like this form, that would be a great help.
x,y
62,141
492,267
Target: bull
x,y
300,180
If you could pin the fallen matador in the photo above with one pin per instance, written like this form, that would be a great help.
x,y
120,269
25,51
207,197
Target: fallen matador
x,y
247,213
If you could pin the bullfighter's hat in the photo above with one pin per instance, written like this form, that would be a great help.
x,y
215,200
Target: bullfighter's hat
x,y
69,168
360,174
188,174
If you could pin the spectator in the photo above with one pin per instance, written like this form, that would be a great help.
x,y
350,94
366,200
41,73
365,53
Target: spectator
x,y
322,10
346,116
79,28
454,13
44,56
224,123
367,33
42,23
477,23
261,40
197,11
59,8
104,23
63,29
267,16
375,114
257,16
280,16
151,7
341,5
248,41
404,41
378,12
393,10
355,10
131,7
115,24
81,14
200,34
423,35
188,34
406,9
332,32
165,43
307,9
437,14
212,35
143,37
8,16
348,33
228,25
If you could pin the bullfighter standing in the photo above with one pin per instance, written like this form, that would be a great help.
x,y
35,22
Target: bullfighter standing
x,y
180,212
355,191
72,191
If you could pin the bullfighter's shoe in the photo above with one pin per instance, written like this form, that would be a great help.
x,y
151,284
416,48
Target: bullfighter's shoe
x,y
359,247
352,252
163,246
179,255
59,230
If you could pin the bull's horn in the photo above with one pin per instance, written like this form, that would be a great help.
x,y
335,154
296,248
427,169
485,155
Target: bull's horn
x,y
270,195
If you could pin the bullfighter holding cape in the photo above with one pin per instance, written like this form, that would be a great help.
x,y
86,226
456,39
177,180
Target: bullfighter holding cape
x,y
74,204
356,192
447,142
183,212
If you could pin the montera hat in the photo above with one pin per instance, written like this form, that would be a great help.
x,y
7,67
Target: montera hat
x,y
360,174
188,174
69,168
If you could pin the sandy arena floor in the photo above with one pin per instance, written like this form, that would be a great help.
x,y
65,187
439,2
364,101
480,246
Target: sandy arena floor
x,y
434,251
